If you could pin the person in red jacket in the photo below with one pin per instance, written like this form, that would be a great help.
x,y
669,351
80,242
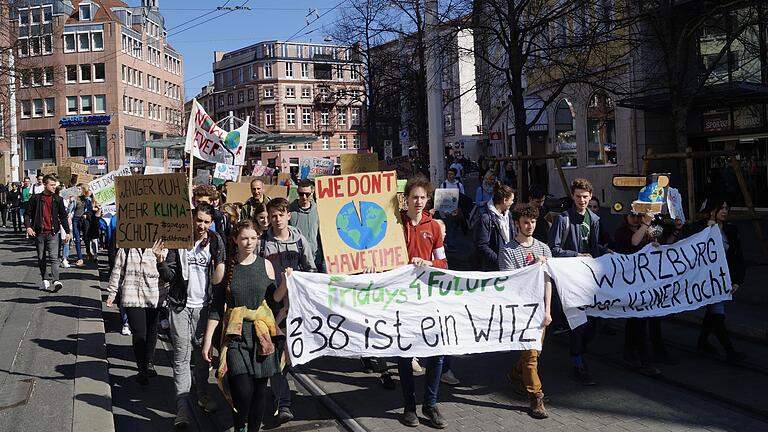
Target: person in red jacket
x,y
424,241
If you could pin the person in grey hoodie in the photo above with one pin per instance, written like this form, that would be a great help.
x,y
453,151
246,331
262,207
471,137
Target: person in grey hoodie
x,y
304,217
285,247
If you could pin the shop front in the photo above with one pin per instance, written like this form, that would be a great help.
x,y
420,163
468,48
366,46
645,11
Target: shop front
x,y
87,138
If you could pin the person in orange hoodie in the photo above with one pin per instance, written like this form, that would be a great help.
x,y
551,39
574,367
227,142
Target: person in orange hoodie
x,y
424,241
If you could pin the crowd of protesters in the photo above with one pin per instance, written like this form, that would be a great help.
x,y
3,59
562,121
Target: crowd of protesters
x,y
243,252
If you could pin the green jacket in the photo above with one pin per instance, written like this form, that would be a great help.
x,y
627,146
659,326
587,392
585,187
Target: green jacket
x,y
308,223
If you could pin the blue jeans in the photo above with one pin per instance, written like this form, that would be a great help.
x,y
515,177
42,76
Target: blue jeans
x,y
76,236
431,385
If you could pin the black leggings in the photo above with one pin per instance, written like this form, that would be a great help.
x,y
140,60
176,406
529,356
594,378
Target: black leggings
x,y
143,322
249,396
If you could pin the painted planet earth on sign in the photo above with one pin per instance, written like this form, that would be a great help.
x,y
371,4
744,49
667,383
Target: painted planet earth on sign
x,y
232,140
364,229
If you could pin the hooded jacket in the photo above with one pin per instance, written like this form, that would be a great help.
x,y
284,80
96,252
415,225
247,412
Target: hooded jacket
x,y
490,237
295,252
424,240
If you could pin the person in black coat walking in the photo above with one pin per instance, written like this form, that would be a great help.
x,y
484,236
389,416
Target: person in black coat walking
x,y
45,218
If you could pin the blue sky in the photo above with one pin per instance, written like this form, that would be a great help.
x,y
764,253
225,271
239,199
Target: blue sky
x,y
267,20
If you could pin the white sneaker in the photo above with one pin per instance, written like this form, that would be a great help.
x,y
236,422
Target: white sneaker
x,y
126,330
449,378
416,366
65,263
45,285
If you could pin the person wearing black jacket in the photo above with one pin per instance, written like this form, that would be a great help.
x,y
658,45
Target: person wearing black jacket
x,y
4,203
192,274
14,201
45,218
714,318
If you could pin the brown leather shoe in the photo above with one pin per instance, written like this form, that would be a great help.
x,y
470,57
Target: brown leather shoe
x,y
537,407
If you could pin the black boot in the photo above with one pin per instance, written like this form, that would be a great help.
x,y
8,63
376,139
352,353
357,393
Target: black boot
x,y
706,328
721,332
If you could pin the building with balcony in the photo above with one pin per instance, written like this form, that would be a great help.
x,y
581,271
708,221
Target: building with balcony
x,y
95,79
294,89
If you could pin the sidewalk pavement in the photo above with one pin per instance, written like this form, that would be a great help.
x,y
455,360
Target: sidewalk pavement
x,y
53,373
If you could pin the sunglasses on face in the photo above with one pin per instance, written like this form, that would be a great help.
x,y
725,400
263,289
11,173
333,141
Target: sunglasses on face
x,y
306,194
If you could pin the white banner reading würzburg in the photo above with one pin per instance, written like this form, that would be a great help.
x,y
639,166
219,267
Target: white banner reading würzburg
x,y
655,281
207,141
414,312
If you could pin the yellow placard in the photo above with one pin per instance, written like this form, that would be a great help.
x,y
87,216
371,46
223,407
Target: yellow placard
x,y
151,207
362,227
359,163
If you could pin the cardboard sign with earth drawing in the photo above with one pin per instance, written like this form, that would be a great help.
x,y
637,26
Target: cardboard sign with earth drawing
x,y
362,227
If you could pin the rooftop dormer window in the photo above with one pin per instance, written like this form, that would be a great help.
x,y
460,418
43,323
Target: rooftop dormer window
x,y
85,12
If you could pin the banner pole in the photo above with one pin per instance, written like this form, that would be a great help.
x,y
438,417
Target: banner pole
x,y
191,164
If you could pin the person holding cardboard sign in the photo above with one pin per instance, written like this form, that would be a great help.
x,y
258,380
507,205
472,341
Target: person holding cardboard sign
x,y
257,196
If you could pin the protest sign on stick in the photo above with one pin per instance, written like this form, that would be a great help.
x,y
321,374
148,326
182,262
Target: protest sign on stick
x,y
207,141
446,201
363,228
154,170
313,167
226,172
414,312
103,188
655,281
354,163
151,207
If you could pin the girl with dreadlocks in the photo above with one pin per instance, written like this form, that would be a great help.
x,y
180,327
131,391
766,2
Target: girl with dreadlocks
x,y
248,357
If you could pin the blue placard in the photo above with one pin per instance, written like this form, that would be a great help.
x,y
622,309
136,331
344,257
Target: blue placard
x,y
85,120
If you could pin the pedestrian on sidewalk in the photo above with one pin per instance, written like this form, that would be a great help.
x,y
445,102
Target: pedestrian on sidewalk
x,y
4,203
92,234
495,226
65,244
285,247
520,251
714,319
26,194
575,232
257,196
46,217
83,204
14,202
248,355
424,242
39,187
192,273
304,217
136,278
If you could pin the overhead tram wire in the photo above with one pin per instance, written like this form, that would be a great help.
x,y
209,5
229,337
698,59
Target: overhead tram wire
x,y
216,17
315,20
210,11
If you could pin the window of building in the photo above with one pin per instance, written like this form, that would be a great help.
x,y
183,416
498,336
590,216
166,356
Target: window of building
x,y
37,77
85,105
342,142
290,92
98,72
50,107
240,97
39,109
23,44
84,41
38,147
326,142
565,133
100,104
601,130
269,93
85,73
47,13
339,71
355,116
47,44
355,142
230,99
292,147
26,79
221,101
34,46
267,70
325,115
342,116
307,146
306,116
35,15
269,117
306,92
23,16
71,104
250,94
353,72
85,12
290,116
69,42
97,41
26,109
48,76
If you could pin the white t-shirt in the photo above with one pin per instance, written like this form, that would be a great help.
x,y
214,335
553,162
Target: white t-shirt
x,y
198,258
37,188
455,185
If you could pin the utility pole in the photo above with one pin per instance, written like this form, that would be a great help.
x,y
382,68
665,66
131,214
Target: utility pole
x,y
15,154
434,94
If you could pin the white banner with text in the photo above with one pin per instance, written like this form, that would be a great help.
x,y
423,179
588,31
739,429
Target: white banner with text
x,y
656,281
414,312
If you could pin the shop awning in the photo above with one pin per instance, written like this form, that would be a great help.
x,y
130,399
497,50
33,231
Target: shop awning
x,y
715,96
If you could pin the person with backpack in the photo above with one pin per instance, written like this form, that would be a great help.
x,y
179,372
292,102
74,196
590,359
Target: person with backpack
x,y
285,247
575,232
452,181
496,227
192,274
